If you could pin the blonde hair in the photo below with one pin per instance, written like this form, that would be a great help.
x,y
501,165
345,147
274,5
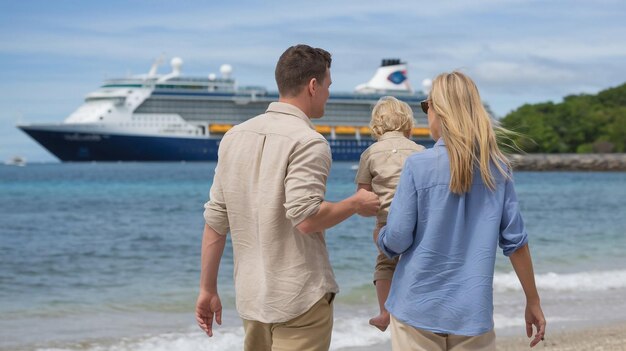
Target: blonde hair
x,y
391,114
467,130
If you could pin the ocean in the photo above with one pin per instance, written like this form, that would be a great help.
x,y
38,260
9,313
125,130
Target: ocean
x,y
105,257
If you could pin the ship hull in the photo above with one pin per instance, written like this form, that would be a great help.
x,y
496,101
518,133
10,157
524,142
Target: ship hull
x,y
86,147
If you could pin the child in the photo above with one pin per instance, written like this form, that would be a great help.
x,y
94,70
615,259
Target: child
x,y
379,171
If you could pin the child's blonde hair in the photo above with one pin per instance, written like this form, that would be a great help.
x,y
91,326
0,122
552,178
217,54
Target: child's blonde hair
x,y
391,114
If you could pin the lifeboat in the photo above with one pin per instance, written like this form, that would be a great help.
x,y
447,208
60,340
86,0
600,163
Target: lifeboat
x,y
365,131
345,130
220,128
323,129
420,132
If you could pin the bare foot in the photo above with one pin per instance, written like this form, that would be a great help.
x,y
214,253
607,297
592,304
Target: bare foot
x,y
381,321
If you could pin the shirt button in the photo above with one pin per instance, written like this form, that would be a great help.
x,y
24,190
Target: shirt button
x,y
394,151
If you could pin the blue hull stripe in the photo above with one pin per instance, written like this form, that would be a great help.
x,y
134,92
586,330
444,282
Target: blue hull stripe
x,y
70,146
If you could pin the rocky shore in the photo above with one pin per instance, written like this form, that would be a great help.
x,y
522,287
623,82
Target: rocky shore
x,y
569,162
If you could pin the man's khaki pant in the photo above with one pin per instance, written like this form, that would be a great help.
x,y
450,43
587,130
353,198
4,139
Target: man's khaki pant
x,y
310,331
406,338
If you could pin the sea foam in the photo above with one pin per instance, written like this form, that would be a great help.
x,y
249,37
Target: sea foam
x,y
346,332
580,281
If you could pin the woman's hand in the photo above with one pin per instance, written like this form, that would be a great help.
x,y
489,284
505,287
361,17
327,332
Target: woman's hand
x,y
534,316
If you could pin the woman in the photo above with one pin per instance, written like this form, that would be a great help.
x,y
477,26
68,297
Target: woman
x,y
453,204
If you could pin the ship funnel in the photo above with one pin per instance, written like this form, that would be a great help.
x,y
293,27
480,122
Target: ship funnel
x,y
226,70
390,78
176,63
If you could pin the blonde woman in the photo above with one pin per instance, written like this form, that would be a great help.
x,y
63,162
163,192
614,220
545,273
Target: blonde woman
x,y
379,171
453,204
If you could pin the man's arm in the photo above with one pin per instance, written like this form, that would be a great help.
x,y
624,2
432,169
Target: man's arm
x,y
305,186
523,266
208,305
330,214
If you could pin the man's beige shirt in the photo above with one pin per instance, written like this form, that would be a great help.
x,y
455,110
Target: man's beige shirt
x,y
270,176
381,165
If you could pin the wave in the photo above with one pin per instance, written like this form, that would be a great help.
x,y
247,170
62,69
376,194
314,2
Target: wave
x,y
223,339
355,331
580,281
347,332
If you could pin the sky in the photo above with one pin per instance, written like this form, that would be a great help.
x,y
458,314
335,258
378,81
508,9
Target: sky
x,y
53,53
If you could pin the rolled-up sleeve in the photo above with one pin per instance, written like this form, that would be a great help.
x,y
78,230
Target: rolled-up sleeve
x,y
215,214
512,232
305,182
397,236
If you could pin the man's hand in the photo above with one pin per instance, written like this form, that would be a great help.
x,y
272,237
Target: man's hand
x,y
208,307
368,203
534,316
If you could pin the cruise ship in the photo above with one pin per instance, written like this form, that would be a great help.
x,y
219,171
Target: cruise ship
x,y
171,117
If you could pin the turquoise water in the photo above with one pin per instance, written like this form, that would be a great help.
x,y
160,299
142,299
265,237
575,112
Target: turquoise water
x,y
81,244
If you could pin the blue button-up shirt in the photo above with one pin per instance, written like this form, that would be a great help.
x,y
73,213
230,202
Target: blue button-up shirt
x,y
447,245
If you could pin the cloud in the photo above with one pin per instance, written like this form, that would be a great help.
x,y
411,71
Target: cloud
x,y
518,51
505,73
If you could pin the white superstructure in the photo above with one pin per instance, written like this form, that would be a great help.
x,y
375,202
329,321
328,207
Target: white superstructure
x,y
173,117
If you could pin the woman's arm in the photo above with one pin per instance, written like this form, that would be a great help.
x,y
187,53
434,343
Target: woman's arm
x,y
523,266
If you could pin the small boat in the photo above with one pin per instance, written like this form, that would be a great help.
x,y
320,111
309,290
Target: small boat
x,y
16,161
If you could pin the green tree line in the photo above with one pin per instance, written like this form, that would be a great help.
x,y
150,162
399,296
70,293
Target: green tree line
x,y
580,124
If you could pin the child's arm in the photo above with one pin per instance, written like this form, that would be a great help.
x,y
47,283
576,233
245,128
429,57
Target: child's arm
x,y
367,187
363,178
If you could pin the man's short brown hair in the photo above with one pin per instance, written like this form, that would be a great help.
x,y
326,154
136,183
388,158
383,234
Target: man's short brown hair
x,y
298,65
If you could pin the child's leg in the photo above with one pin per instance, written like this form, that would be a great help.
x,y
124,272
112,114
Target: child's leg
x,y
382,280
382,291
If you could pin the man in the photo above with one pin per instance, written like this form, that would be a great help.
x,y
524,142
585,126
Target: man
x,y
268,191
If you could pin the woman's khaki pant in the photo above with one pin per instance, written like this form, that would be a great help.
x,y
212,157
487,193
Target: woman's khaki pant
x,y
406,338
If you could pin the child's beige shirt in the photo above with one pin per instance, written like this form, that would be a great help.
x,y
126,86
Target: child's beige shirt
x,y
381,164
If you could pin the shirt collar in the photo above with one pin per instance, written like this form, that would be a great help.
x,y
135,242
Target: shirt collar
x,y
440,142
289,109
391,134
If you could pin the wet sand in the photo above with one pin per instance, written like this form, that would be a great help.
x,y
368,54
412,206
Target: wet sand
x,y
601,338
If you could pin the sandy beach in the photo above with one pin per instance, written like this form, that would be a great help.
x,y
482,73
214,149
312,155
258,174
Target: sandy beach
x,y
599,338
603,338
